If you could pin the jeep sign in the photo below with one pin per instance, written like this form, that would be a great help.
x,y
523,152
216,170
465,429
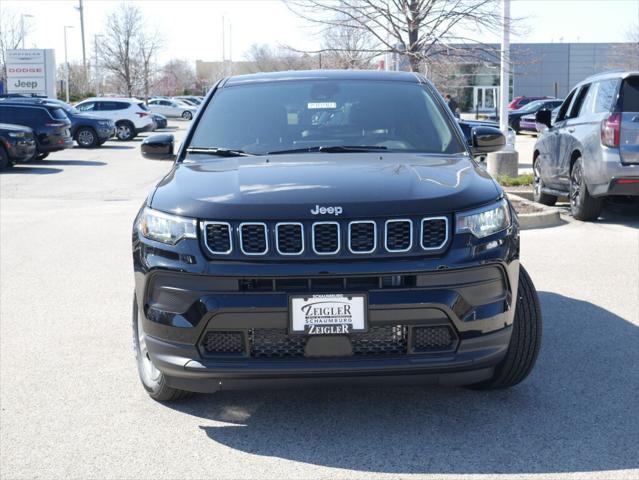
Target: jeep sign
x,y
31,71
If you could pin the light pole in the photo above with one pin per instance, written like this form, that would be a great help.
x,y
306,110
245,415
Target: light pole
x,y
505,68
97,68
22,31
66,63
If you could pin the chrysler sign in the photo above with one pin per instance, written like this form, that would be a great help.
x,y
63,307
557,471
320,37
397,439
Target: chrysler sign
x,y
31,71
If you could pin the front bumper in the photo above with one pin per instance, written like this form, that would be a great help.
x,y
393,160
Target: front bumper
x,y
104,133
183,297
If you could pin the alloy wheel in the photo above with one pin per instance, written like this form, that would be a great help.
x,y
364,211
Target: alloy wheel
x,y
575,185
124,132
86,138
537,180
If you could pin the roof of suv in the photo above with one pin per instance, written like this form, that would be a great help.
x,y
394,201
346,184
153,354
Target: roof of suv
x,y
378,75
610,74
111,99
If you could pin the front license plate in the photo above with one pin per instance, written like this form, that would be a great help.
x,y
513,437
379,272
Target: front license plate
x,y
328,314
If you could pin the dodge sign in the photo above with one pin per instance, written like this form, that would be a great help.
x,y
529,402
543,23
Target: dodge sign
x,y
31,71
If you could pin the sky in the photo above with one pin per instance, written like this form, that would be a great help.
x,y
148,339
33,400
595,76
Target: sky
x,y
192,29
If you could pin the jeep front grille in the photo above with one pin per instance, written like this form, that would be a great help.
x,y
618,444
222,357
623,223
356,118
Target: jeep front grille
x,y
379,340
355,238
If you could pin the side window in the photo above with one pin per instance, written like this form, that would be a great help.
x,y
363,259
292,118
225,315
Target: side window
x,y
563,111
121,105
606,93
589,101
86,107
579,100
107,106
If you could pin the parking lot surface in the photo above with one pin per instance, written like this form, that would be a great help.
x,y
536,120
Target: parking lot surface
x,y
72,406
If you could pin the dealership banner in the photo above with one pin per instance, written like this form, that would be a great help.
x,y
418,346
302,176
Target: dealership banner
x,y
31,71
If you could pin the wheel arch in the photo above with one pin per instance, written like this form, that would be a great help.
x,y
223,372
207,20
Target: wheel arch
x,y
576,153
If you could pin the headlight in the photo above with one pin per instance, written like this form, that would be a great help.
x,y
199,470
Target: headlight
x,y
485,221
165,228
17,134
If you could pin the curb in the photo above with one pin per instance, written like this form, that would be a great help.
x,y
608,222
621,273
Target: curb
x,y
548,217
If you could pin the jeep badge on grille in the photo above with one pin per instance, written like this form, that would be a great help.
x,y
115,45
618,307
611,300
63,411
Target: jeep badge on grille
x,y
326,210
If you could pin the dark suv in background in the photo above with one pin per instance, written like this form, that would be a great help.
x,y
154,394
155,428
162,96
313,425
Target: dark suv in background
x,y
49,123
328,226
591,150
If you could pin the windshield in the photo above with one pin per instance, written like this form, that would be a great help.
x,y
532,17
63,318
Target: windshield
x,y
271,117
532,106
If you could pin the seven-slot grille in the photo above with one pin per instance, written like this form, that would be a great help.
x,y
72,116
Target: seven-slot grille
x,y
325,238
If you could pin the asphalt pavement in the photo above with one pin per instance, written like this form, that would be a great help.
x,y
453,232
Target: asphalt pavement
x,y
72,407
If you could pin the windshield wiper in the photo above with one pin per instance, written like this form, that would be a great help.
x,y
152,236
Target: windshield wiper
x,y
221,152
332,149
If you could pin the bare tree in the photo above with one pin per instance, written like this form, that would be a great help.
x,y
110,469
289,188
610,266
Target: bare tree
x,y
347,46
149,44
11,35
118,50
411,29
177,78
269,59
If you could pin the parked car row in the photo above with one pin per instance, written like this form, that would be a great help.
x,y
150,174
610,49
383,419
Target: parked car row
x,y
54,125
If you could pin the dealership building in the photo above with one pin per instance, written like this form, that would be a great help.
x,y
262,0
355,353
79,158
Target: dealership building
x,y
537,69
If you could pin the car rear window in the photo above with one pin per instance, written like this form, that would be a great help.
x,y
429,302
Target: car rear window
x,y
261,118
142,106
630,95
58,113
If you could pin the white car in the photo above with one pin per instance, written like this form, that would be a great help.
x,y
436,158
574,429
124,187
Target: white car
x,y
130,115
172,108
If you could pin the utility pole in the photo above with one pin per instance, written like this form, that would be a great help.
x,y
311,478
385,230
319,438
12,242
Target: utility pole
x,y
223,49
80,8
66,63
505,67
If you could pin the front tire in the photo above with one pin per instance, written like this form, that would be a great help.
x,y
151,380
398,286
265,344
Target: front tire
x,y
187,115
524,341
124,131
538,184
153,380
583,206
86,137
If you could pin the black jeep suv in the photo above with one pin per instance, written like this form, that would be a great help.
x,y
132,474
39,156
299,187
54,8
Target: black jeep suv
x,y
328,226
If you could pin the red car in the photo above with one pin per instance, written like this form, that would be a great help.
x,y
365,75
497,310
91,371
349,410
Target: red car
x,y
519,102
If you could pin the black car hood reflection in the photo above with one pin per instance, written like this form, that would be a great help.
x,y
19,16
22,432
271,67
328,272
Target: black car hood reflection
x,y
289,186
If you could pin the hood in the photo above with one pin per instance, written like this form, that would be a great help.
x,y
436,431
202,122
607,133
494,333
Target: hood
x,y
289,186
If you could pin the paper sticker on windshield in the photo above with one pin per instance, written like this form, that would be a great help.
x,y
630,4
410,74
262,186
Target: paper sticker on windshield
x,y
321,105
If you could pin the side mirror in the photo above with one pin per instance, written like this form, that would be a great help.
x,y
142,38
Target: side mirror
x,y
158,147
487,140
543,119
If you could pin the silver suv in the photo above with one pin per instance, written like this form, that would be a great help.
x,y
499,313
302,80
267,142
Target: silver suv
x,y
591,150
